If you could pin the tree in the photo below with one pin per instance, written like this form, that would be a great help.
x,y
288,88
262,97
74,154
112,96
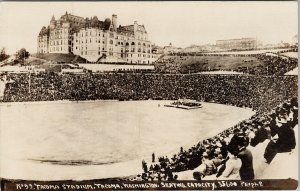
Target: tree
x,y
145,167
3,55
22,54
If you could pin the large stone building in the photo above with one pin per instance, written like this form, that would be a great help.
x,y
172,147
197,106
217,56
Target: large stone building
x,y
97,41
239,44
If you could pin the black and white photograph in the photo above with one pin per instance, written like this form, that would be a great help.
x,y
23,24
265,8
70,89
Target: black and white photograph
x,y
150,95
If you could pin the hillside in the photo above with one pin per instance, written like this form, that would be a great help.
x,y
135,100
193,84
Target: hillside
x,y
61,58
186,64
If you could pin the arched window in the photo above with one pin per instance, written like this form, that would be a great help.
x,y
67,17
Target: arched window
x,y
111,42
127,44
132,43
139,44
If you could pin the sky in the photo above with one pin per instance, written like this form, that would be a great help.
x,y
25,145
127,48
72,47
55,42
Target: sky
x,y
180,23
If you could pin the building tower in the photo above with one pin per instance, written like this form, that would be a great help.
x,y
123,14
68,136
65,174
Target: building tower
x,y
114,22
52,22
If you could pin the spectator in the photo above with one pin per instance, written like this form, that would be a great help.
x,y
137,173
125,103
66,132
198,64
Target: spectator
x,y
246,170
207,167
233,166
283,137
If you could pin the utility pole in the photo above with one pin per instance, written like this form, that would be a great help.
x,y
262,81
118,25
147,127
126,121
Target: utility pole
x,y
29,83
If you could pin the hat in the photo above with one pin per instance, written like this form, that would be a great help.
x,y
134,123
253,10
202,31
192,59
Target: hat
x,y
240,132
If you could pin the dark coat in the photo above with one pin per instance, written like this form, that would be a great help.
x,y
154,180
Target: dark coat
x,y
246,170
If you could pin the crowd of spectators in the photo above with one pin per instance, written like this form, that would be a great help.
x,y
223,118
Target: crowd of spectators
x,y
209,158
226,156
272,64
260,93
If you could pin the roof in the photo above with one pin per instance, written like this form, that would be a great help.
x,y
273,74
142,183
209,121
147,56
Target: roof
x,y
237,39
44,31
130,28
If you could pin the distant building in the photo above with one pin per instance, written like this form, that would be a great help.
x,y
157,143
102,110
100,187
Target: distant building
x,y
157,51
171,49
295,40
239,44
96,40
199,48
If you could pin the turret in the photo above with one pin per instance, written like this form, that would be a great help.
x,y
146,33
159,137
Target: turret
x,y
52,22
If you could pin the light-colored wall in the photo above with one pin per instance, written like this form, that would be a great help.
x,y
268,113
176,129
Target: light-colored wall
x,y
86,43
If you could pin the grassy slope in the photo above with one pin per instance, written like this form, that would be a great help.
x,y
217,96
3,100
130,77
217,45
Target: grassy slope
x,y
58,57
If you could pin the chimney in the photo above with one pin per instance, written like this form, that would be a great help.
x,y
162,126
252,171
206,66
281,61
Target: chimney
x,y
135,27
114,21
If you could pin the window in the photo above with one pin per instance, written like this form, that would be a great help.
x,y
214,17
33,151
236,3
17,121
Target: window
x,y
132,43
111,42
